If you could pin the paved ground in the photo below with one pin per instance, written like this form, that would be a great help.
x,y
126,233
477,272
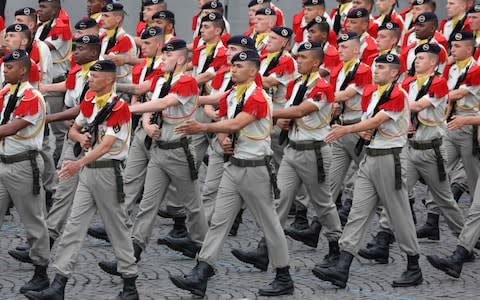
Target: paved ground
x,y
235,280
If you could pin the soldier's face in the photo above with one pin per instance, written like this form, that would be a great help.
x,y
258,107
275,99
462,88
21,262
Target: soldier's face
x,y
30,22
424,30
263,23
233,50
81,52
110,20
348,50
15,40
275,42
307,62
384,73
474,21
456,8
98,81
208,31
315,35
362,4
384,6
420,9
150,10
461,50
385,40
359,26
94,6
150,46
46,11
169,60
423,62
13,72
251,13
313,11
242,71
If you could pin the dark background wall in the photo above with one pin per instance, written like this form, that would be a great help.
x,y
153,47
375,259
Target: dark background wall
x,y
184,9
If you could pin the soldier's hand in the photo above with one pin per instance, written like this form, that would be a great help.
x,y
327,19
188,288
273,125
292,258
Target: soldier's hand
x,y
85,141
227,145
366,135
336,133
283,124
456,123
69,169
119,60
190,127
153,131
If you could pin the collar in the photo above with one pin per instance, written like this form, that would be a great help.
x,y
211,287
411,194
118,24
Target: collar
x,y
313,76
386,51
462,64
210,47
456,19
96,15
101,101
13,87
241,89
270,56
260,37
348,65
421,79
86,69
382,88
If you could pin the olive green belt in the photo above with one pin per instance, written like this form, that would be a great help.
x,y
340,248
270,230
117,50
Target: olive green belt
x,y
30,155
317,147
396,160
117,166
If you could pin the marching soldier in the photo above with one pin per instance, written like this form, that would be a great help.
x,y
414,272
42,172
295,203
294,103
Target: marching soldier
x,y
255,5
386,13
94,9
149,9
474,17
382,174
265,19
457,20
338,15
358,21
418,7
311,10
21,132
247,178
165,19
100,182
318,32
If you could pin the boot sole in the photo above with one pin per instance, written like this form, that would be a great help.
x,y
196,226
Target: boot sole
x,y
183,286
20,258
298,239
335,282
45,285
184,251
98,236
440,267
241,258
108,270
273,294
415,283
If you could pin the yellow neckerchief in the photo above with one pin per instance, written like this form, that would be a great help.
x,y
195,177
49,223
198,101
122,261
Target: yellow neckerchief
x,y
343,7
386,51
348,65
95,16
167,37
13,87
101,101
260,37
110,33
209,48
477,33
150,60
421,79
462,64
382,88
241,90
270,56
313,75
421,42
86,69
455,20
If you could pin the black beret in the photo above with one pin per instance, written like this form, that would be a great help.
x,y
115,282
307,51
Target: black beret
x,y
420,2
87,40
389,26
348,36
152,2
242,41
249,55
211,17
428,48
212,5
15,55
307,46
474,9
164,15
358,13
265,12
112,7
150,32
388,59
17,28
256,2
174,45
85,24
26,11
313,2
283,31
426,17
464,36
316,20
104,66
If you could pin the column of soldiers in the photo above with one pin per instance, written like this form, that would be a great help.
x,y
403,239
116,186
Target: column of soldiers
x,y
341,105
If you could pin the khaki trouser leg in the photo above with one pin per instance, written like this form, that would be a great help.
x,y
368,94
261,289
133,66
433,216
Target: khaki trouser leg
x,y
16,181
59,129
212,182
423,162
471,230
63,197
49,175
253,186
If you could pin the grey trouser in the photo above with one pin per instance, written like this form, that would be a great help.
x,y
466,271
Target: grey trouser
x,y
375,183
59,129
212,179
250,186
471,230
16,181
97,190
164,168
64,195
49,175
300,167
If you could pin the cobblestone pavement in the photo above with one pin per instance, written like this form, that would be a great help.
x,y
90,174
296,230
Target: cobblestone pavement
x,y
235,280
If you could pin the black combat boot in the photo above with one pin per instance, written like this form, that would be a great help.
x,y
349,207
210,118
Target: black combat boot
x,y
301,221
98,231
345,211
338,274
390,239
110,267
412,276
179,230
186,245
430,230
236,223
129,290
22,256
309,236
332,257
379,251
38,282
452,265
414,216
56,291
258,257
196,281
281,285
